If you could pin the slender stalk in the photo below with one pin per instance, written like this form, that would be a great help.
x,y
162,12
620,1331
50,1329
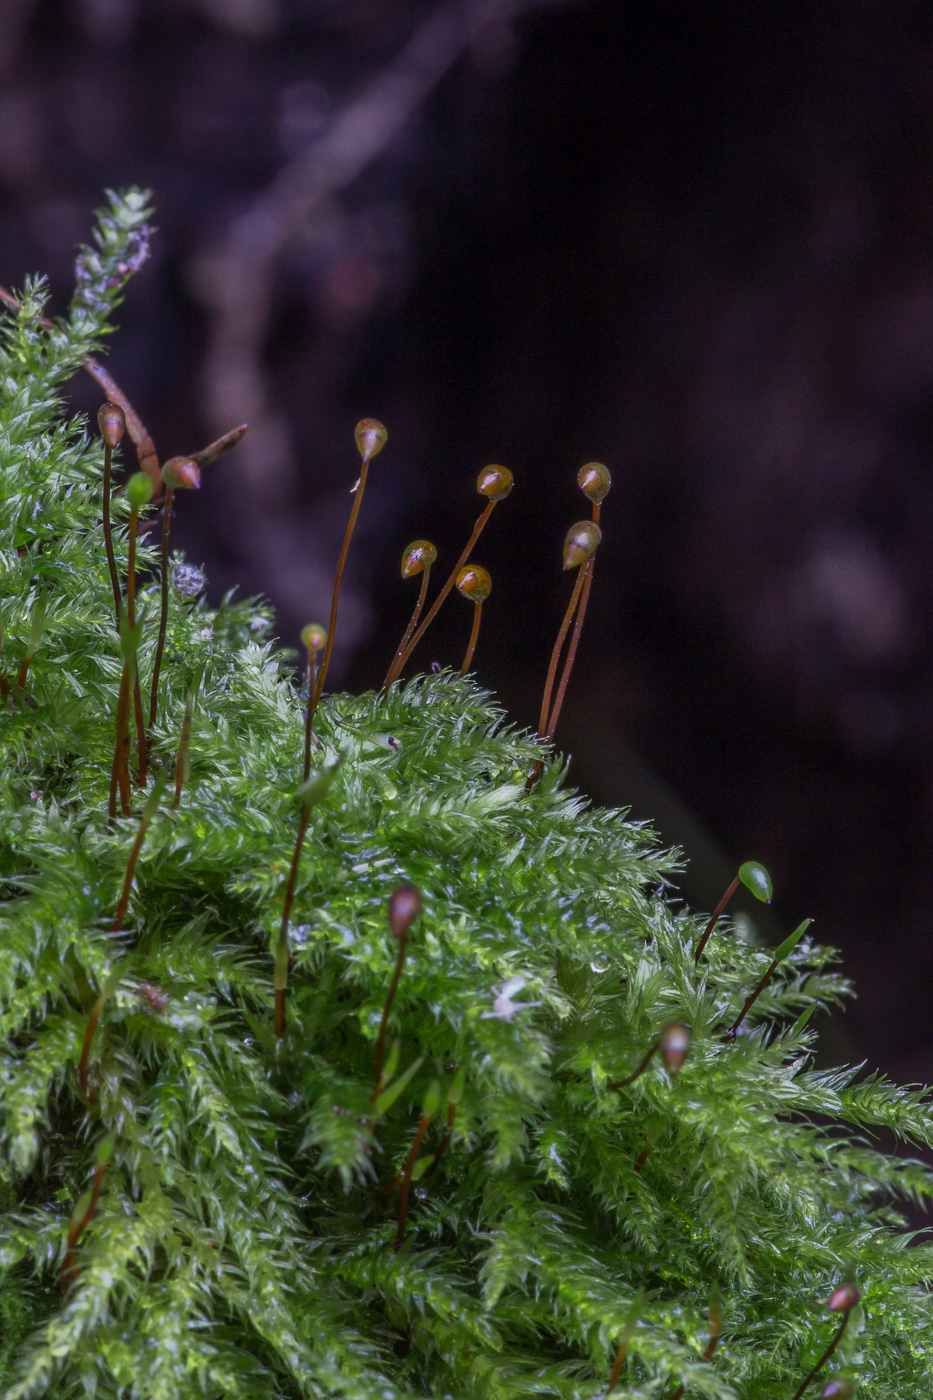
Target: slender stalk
x,y
636,1074
117,772
281,948
163,615
392,673
586,584
108,536
444,1142
131,617
587,572
474,634
630,1325
714,920
825,1357
338,579
89,1030
182,762
435,607
406,1179
715,1330
387,1008
145,822
556,651
76,1228
651,1141
309,714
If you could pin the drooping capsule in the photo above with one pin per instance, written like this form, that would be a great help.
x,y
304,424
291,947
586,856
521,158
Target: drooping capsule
x,y
675,1044
370,436
755,878
495,483
404,908
112,423
139,490
837,1388
419,555
843,1298
314,637
182,473
580,543
594,481
474,583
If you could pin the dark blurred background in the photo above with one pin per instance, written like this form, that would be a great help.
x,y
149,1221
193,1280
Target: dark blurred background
x,y
694,242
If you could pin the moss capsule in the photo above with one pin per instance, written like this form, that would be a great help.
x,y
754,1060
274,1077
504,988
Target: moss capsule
x,y
419,555
843,1298
594,481
675,1043
314,637
112,423
139,490
370,436
837,1388
404,908
580,543
474,583
495,483
182,473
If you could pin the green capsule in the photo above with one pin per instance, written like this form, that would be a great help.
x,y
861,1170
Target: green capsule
x,y
139,490
755,878
580,543
105,1149
370,437
432,1099
474,583
594,481
182,473
837,1388
112,423
495,483
314,637
419,555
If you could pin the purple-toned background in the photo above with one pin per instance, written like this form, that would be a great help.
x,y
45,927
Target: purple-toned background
x,y
695,242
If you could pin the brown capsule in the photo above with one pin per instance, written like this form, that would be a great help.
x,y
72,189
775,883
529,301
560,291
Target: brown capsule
x,y
404,908
370,437
314,637
474,583
675,1043
112,423
594,481
580,543
183,473
495,483
843,1298
419,555
837,1388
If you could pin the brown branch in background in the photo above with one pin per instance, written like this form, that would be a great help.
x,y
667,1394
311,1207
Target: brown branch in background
x,y
495,483
418,558
474,584
714,1325
404,908
843,1300
370,436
